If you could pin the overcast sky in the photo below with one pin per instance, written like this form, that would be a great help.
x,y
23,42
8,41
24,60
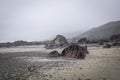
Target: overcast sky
x,y
36,20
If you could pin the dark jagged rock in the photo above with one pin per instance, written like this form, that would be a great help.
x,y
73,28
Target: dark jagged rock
x,y
54,54
75,51
59,41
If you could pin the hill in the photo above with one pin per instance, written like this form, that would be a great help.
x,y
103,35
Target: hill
x,y
102,32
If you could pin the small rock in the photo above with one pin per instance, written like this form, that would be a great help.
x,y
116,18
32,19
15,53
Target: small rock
x,y
81,68
54,54
31,68
107,46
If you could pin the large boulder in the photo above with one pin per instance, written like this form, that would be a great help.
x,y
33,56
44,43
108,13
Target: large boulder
x,y
54,54
58,41
107,46
83,41
75,51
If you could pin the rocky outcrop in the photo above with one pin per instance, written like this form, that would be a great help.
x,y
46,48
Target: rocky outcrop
x,y
59,41
75,51
54,54
82,41
107,46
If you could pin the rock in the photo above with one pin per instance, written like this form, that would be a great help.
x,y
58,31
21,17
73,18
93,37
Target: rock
x,y
31,68
75,51
116,44
54,54
58,41
107,46
1,77
101,43
83,41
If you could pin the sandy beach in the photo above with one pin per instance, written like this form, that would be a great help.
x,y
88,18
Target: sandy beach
x,y
100,64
